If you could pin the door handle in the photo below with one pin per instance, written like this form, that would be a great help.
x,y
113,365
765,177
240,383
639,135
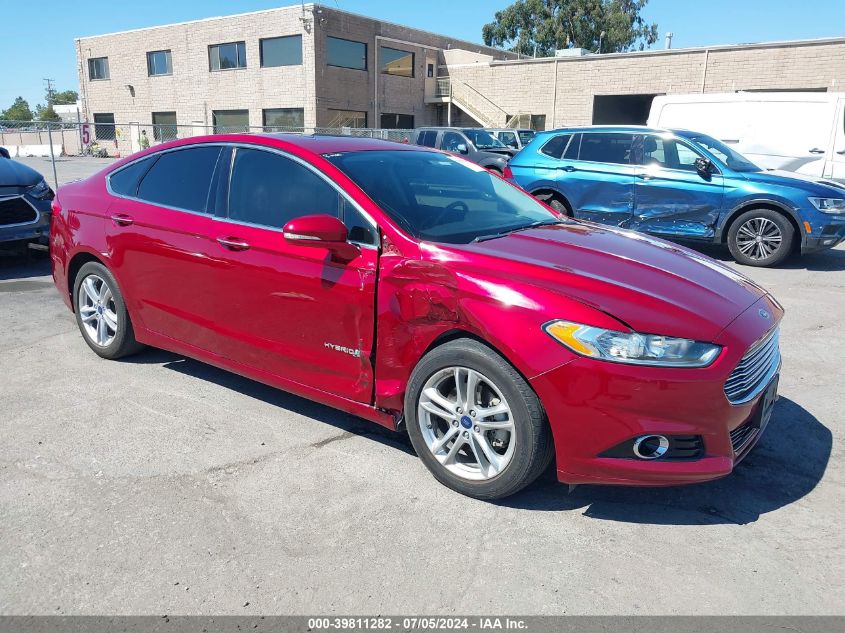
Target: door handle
x,y
645,176
816,150
568,168
841,152
233,243
121,219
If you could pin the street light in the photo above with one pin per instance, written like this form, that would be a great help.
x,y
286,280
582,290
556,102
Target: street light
x,y
601,37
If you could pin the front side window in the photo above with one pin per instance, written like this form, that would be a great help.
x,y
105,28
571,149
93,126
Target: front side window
x,y
347,118
227,56
281,51
159,63
396,62
346,53
451,141
270,190
164,126
526,136
98,68
230,121
283,119
441,198
733,159
181,179
606,147
509,139
483,139
104,126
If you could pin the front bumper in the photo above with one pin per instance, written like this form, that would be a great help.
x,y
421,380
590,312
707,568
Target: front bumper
x,y
36,230
827,231
594,406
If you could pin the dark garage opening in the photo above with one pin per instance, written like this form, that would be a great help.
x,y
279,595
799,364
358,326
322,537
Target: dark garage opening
x,y
621,109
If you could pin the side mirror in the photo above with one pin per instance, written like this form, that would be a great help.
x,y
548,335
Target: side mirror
x,y
703,166
4,152
322,231
462,148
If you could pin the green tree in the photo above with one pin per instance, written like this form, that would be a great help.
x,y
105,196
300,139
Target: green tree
x,y
18,111
46,113
543,26
64,97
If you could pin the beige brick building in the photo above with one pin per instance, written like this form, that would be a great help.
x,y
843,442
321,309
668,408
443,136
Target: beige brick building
x,y
311,66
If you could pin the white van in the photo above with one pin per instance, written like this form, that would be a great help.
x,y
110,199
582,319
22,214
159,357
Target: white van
x,y
802,132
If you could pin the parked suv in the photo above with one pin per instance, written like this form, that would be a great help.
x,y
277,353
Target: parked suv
x,y
513,138
475,144
681,184
24,202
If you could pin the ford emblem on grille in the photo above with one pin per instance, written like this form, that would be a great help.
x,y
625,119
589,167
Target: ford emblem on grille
x,y
764,314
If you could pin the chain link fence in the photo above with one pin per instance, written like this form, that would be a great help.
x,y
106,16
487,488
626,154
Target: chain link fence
x,y
114,140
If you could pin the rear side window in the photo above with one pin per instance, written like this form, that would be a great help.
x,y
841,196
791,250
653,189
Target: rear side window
x,y
607,147
124,182
556,146
181,178
270,190
428,138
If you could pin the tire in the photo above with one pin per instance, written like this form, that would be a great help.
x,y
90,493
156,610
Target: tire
x,y
555,202
105,324
518,442
761,237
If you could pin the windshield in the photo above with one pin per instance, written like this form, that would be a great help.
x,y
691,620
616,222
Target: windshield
x,y
440,198
482,139
733,159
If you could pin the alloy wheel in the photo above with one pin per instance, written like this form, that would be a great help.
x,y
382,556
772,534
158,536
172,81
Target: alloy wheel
x,y
466,423
97,310
759,238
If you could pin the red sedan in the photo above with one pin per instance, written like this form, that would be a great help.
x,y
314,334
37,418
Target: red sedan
x,y
419,291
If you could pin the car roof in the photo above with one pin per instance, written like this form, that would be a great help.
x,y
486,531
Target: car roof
x,y
326,144
637,129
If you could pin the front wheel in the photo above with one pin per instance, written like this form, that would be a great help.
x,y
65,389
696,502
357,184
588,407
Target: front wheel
x,y
761,237
475,422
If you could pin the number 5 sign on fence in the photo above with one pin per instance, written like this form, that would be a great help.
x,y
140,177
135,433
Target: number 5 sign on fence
x,y
86,134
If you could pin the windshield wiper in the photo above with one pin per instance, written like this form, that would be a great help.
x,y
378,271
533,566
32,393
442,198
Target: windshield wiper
x,y
534,225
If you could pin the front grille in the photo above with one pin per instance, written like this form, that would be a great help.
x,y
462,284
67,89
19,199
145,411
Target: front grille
x,y
742,435
755,370
16,211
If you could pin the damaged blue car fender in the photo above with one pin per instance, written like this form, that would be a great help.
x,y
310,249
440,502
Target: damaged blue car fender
x,y
680,184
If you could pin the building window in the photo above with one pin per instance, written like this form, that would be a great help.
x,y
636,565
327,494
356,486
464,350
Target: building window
x,y
104,126
396,62
227,56
347,118
346,53
230,121
98,68
283,119
429,71
538,122
397,121
281,51
159,63
164,126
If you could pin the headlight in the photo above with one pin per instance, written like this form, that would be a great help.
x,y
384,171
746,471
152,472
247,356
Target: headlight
x,y
631,347
41,191
829,205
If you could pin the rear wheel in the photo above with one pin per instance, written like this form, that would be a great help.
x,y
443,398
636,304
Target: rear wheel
x,y
474,421
761,237
101,313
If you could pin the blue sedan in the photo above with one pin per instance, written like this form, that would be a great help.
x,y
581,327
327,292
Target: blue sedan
x,y
681,184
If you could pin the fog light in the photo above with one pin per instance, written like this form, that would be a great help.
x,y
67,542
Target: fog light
x,y
651,446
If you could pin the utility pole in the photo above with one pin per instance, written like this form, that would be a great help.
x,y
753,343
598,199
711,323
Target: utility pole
x,y
50,90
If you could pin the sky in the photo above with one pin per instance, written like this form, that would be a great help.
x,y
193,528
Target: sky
x,y
39,45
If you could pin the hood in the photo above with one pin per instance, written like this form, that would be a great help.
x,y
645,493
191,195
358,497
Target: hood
x,y
819,186
652,286
15,174
507,152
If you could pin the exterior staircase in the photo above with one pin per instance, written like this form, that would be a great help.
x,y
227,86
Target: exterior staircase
x,y
477,105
